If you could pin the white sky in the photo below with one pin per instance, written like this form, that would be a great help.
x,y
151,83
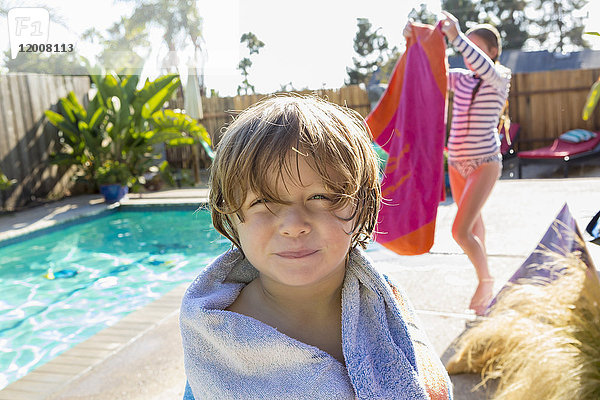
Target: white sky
x,y
308,43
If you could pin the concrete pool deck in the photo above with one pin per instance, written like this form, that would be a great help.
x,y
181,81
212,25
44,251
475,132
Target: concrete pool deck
x,y
140,356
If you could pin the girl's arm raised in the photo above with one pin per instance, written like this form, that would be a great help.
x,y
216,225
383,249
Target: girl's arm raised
x,y
450,26
480,63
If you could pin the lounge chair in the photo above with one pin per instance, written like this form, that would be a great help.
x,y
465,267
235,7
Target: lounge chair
x,y
561,152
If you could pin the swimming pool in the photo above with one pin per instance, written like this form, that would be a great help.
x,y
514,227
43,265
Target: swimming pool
x,y
103,267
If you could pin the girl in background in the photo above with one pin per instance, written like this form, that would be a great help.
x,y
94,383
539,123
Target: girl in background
x,y
474,159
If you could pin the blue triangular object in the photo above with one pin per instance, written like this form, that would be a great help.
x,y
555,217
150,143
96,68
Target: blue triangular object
x,y
562,237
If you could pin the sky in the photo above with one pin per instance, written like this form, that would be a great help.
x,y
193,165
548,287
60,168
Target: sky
x,y
307,43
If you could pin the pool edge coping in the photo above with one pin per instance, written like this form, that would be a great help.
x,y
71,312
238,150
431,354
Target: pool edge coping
x,y
15,234
93,210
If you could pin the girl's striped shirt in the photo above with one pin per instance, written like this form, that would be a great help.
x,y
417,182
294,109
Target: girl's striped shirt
x,y
474,129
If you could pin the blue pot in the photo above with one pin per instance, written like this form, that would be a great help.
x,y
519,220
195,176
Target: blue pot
x,y
113,193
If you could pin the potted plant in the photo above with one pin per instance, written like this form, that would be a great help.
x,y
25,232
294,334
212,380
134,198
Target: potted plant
x,y
121,128
114,179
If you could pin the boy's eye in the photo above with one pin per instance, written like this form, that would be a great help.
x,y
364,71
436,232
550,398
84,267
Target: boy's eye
x,y
259,201
320,197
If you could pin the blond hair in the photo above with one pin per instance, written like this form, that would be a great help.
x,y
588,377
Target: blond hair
x,y
259,142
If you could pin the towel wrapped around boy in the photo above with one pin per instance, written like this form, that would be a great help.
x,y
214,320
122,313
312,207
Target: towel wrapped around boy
x,y
232,356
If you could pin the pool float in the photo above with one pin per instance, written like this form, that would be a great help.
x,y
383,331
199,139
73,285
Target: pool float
x,y
63,273
161,263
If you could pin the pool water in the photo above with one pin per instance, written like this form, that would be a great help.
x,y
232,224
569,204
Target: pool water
x,y
103,269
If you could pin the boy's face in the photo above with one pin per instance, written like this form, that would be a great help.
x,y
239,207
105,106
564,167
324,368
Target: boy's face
x,y
298,244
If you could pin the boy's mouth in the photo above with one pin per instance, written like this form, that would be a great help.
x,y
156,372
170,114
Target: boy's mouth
x,y
296,253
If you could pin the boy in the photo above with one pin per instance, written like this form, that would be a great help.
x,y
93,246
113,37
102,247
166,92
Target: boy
x,y
295,310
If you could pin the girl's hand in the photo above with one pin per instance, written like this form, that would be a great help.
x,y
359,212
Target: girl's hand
x,y
450,26
407,32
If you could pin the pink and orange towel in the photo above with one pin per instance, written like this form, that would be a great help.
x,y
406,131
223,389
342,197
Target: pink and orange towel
x,y
409,124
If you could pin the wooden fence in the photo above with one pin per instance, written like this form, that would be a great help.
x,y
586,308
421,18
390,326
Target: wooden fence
x,y
26,137
219,111
547,104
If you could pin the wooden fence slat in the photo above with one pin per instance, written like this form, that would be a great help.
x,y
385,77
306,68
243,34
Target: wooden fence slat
x,y
8,161
18,134
574,102
38,107
48,132
51,132
14,140
28,138
14,165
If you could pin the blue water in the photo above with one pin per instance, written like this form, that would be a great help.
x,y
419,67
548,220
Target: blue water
x,y
103,269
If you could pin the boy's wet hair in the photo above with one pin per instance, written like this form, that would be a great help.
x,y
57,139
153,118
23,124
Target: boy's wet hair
x,y
269,138
490,36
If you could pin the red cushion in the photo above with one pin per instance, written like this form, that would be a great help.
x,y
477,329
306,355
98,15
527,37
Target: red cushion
x,y
561,149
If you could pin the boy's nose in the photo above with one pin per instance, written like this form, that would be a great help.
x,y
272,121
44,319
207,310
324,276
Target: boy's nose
x,y
294,222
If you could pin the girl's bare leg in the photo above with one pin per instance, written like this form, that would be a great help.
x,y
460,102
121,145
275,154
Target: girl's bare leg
x,y
457,185
470,195
479,231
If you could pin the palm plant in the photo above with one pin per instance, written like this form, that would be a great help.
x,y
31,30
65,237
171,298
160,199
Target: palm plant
x,y
122,125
